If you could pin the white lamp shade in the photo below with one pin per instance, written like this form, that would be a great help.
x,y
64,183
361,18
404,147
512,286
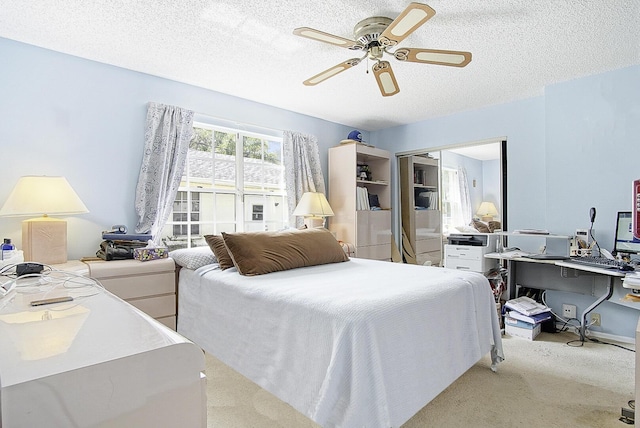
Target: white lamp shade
x,y
42,195
313,204
487,209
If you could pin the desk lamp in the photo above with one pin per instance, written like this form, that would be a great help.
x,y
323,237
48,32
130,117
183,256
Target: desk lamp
x,y
44,239
313,206
487,211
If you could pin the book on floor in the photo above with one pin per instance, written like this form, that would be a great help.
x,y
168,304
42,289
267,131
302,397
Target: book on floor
x,y
526,306
533,319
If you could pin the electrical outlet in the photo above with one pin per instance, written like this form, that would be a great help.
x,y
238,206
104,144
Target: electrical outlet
x,y
595,319
569,311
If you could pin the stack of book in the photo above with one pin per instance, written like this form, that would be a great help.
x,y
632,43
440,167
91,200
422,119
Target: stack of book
x,y
524,317
362,198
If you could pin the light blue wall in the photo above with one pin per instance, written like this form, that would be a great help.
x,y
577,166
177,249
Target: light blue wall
x,y
63,115
575,147
523,124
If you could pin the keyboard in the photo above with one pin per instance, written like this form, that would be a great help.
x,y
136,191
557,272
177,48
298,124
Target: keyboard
x,y
602,262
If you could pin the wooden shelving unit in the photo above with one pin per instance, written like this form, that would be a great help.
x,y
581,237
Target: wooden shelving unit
x,y
420,205
369,230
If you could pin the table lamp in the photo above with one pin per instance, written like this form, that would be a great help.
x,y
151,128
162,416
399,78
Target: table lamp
x,y
487,211
44,239
313,206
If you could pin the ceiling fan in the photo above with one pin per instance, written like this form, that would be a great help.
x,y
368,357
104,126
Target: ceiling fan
x,y
379,35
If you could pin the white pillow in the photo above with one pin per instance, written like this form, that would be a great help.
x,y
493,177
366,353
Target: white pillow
x,y
193,258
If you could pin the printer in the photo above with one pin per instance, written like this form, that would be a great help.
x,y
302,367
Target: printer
x,y
466,251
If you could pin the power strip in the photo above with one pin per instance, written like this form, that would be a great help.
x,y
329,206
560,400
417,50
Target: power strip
x,y
28,268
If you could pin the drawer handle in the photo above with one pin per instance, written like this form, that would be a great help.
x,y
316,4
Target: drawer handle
x,y
462,267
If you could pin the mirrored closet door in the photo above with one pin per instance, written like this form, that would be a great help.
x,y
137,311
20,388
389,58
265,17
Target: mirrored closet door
x,y
457,189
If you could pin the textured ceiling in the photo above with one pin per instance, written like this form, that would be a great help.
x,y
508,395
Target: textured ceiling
x,y
247,49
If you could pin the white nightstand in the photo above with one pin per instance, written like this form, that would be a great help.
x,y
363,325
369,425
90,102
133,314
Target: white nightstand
x,y
149,286
75,266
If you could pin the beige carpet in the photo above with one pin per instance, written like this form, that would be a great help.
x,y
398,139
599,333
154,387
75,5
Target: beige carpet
x,y
544,383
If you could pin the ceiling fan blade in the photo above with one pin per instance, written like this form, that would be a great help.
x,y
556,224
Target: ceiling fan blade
x,y
321,77
321,36
385,78
406,23
434,56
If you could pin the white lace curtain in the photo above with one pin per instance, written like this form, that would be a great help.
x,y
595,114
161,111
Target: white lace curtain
x,y
465,198
166,141
303,172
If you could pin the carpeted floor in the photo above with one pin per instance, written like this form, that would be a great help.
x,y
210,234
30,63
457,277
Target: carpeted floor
x,y
544,383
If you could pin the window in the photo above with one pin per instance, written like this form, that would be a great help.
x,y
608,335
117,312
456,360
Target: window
x,y
233,181
451,201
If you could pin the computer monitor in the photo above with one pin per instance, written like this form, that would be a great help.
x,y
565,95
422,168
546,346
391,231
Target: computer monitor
x,y
625,241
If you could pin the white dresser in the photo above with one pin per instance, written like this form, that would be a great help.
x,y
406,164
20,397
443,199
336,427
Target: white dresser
x,y
95,361
149,286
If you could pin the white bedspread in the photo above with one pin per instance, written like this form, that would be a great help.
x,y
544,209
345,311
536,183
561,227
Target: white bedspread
x,y
356,344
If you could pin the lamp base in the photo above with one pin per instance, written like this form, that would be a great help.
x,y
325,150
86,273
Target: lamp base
x,y
313,222
44,240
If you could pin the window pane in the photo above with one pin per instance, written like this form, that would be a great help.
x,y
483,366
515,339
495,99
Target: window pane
x,y
264,212
225,208
212,197
262,163
225,160
200,160
226,227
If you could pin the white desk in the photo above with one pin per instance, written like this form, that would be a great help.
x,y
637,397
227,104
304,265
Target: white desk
x,y
96,361
611,274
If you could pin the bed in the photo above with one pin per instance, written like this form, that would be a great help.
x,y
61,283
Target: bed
x,y
360,343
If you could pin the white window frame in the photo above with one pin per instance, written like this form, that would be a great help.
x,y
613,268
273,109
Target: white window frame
x,y
451,220
237,189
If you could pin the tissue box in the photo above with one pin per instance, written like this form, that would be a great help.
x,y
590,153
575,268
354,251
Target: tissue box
x,y
146,254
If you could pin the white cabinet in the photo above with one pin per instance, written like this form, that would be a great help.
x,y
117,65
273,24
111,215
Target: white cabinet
x,y
373,237
368,230
468,257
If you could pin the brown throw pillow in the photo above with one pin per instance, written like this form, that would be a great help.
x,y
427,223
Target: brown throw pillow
x,y
216,243
257,253
480,226
494,225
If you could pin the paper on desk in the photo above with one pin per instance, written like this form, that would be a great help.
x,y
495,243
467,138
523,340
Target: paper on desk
x,y
631,280
532,231
513,254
